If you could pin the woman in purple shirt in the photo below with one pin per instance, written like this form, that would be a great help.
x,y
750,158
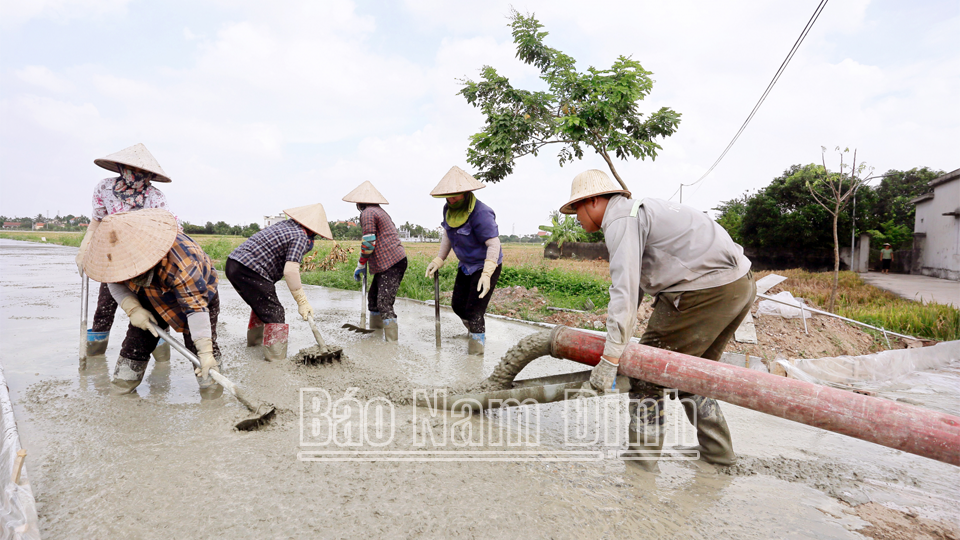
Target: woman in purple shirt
x,y
470,229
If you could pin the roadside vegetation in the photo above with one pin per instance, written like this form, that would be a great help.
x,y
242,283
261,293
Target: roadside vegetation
x,y
570,283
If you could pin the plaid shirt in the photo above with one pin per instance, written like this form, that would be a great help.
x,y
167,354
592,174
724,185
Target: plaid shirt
x,y
267,251
184,281
388,251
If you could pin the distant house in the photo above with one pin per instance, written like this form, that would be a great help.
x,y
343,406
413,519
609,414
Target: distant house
x,y
936,230
37,226
347,223
541,234
273,220
12,224
83,225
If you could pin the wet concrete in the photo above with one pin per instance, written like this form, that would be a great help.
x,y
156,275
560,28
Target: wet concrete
x,y
164,463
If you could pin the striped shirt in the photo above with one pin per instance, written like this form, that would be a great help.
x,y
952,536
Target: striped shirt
x,y
388,251
267,251
184,282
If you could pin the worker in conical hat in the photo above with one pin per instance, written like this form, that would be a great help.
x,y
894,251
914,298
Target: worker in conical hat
x,y
132,190
703,289
382,254
470,229
257,265
161,276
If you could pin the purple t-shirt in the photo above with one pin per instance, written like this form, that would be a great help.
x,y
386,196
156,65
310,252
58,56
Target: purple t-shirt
x,y
468,239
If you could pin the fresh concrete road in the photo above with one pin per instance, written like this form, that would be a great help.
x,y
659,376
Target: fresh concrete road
x,y
919,288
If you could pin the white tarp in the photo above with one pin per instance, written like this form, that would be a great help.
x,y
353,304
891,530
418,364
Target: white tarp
x,y
872,369
769,307
18,509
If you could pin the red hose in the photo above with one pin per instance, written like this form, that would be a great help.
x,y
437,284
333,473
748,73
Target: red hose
x,y
916,430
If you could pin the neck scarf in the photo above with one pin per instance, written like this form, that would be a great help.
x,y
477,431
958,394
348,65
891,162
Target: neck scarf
x,y
457,214
131,187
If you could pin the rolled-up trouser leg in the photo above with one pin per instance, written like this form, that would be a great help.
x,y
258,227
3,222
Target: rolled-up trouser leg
x,y
701,323
466,301
713,436
646,430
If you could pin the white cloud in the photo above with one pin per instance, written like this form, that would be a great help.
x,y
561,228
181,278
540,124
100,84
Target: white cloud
x,y
17,12
266,105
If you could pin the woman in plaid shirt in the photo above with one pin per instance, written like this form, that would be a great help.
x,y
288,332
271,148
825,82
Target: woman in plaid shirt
x,y
382,253
257,265
178,289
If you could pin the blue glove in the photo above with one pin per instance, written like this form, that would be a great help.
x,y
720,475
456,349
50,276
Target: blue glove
x,y
361,269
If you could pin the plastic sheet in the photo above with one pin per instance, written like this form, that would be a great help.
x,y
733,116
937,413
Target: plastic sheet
x,y
18,509
872,370
770,308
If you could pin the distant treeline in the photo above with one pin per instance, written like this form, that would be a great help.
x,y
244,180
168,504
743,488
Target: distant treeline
x,y
221,228
68,222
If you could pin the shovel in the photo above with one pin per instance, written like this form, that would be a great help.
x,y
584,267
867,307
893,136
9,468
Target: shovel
x,y
84,310
363,312
262,412
320,353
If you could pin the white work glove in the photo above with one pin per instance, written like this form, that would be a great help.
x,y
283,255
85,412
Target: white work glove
x,y
80,252
207,361
302,305
139,316
603,378
488,268
434,266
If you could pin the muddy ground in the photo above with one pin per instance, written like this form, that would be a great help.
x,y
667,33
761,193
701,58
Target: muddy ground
x,y
165,464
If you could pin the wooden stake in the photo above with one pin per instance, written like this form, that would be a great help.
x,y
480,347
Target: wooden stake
x,y
18,465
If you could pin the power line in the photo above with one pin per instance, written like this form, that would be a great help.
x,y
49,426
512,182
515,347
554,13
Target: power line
x,y
783,66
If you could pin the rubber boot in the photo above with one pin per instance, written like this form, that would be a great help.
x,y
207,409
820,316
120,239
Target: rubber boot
x,y
275,341
390,330
645,433
713,435
162,352
475,343
97,343
254,331
128,374
376,321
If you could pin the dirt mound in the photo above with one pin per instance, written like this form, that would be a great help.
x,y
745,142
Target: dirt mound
x,y
824,336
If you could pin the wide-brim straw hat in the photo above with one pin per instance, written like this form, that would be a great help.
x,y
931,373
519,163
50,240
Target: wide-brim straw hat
x,y
591,184
312,217
134,156
365,194
456,181
127,244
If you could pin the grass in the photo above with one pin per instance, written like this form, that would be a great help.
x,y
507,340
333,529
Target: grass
x,y
865,303
568,283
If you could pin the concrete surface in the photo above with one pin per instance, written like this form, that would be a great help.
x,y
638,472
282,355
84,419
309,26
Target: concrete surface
x,y
919,288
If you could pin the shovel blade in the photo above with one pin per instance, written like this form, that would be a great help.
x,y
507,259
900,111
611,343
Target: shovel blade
x,y
255,422
357,329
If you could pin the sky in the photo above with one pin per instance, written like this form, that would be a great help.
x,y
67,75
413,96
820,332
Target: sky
x,y
252,107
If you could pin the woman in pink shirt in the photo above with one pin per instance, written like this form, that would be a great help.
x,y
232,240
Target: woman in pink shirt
x,y
132,190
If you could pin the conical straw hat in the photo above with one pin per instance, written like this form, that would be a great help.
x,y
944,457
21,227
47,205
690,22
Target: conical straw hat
x,y
456,181
135,156
127,244
365,194
312,217
590,184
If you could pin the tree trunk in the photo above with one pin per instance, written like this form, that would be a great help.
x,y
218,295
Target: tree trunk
x,y
606,157
836,261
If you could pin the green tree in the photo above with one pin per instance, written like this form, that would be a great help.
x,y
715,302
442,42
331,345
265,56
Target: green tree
x,y
563,228
731,216
893,196
832,191
596,109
